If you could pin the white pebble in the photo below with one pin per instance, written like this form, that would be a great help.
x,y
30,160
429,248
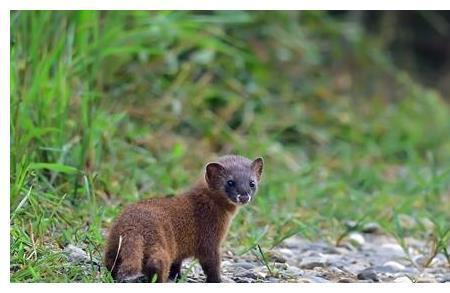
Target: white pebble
x,y
356,239
394,266
402,280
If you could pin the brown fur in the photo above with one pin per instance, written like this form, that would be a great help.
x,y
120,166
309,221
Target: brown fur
x,y
158,234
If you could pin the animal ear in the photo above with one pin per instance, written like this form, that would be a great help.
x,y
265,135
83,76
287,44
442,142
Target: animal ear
x,y
257,167
213,172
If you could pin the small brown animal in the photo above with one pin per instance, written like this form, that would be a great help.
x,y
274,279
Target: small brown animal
x,y
152,237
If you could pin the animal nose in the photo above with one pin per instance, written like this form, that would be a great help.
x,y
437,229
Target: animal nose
x,y
245,198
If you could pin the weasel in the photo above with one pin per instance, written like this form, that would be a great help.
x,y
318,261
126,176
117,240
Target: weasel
x,y
151,238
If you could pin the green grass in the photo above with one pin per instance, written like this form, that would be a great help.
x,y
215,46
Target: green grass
x,y
111,107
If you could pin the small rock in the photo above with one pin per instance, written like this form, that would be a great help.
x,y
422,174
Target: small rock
x,y
292,270
304,280
444,278
371,227
286,252
336,270
422,260
402,280
394,266
310,263
243,280
226,279
293,242
356,239
368,274
246,274
345,280
261,274
76,254
392,249
316,279
351,225
426,279
276,256
244,265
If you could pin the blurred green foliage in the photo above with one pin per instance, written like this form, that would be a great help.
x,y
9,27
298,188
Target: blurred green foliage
x,y
111,107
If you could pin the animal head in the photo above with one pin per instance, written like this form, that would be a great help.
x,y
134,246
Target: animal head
x,y
234,177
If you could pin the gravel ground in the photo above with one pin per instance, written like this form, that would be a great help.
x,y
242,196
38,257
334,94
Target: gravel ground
x,y
362,257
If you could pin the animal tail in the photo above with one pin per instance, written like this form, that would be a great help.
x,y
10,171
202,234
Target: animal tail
x,y
125,253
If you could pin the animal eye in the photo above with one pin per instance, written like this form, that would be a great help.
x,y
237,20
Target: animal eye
x,y
252,183
230,183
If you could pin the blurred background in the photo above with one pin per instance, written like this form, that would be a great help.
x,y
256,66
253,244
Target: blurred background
x,y
349,109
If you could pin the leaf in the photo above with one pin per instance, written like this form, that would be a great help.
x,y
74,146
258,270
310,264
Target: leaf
x,y
54,167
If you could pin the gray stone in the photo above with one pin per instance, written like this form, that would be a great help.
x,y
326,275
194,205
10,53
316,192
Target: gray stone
x,y
315,279
310,263
292,270
444,278
226,279
244,265
350,224
368,274
371,227
293,242
243,280
243,273
276,256
345,280
76,254
426,279
391,250
394,266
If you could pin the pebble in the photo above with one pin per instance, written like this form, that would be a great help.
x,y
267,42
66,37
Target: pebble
x,y
344,280
444,278
368,274
76,254
351,224
356,239
244,265
246,274
293,242
394,266
392,249
371,227
244,280
287,252
402,280
316,279
276,256
226,279
426,280
292,270
310,263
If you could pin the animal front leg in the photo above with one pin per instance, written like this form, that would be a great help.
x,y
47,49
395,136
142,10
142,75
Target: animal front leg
x,y
175,271
211,267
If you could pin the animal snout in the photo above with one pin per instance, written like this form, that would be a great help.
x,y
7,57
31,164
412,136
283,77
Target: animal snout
x,y
244,198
